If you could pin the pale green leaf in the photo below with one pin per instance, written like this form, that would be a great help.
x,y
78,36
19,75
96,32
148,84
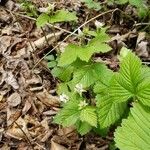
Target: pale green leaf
x,y
62,15
42,20
143,91
69,114
134,133
130,71
89,74
108,111
83,127
89,115
119,89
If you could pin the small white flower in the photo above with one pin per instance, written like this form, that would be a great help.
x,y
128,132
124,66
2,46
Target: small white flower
x,y
82,104
98,24
79,89
63,98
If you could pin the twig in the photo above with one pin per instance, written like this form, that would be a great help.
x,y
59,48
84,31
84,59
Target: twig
x,y
24,135
73,34
142,24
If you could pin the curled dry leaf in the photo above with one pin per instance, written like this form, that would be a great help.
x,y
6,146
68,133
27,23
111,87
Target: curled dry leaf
x,y
26,107
48,99
14,100
56,146
12,115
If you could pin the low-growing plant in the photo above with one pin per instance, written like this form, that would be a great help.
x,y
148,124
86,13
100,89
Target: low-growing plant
x,y
94,97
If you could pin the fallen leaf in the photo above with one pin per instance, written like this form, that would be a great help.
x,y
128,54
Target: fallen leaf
x,y
56,146
14,100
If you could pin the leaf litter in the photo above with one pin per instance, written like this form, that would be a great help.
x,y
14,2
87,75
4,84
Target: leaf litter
x,y
27,106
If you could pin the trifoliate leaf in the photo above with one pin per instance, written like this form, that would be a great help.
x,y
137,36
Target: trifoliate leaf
x,y
108,111
83,127
72,52
134,133
42,20
89,115
69,114
62,15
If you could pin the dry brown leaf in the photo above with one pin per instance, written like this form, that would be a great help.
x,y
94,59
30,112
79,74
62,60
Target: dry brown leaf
x,y
14,100
56,146
26,107
48,99
16,132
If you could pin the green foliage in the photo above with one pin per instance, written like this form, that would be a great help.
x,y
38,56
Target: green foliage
x,y
58,16
134,132
91,4
114,91
84,52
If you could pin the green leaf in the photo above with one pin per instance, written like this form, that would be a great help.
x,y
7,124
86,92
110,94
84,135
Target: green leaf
x,y
51,64
83,127
134,133
143,93
130,71
108,111
137,3
69,114
92,4
89,115
50,57
42,20
72,52
62,15
104,82
119,89
89,74
124,84
121,1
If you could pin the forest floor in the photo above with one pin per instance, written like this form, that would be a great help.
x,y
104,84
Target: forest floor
x,y
28,98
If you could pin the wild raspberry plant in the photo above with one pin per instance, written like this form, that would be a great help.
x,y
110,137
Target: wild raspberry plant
x,y
97,97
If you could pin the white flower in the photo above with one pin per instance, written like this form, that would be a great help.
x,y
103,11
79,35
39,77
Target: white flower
x,y
63,98
79,89
82,104
98,24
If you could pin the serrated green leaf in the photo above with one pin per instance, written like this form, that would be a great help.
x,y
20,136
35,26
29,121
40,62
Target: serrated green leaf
x,y
83,127
143,91
89,115
50,57
62,15
119,89
130,71
72,52
134,133
89,74
108,111
69,114
103,83
42,20
124,84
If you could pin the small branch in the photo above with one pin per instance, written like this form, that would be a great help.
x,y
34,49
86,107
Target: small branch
x,y
142,24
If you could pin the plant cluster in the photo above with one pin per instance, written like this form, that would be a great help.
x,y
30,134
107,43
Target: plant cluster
x,y
95,98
